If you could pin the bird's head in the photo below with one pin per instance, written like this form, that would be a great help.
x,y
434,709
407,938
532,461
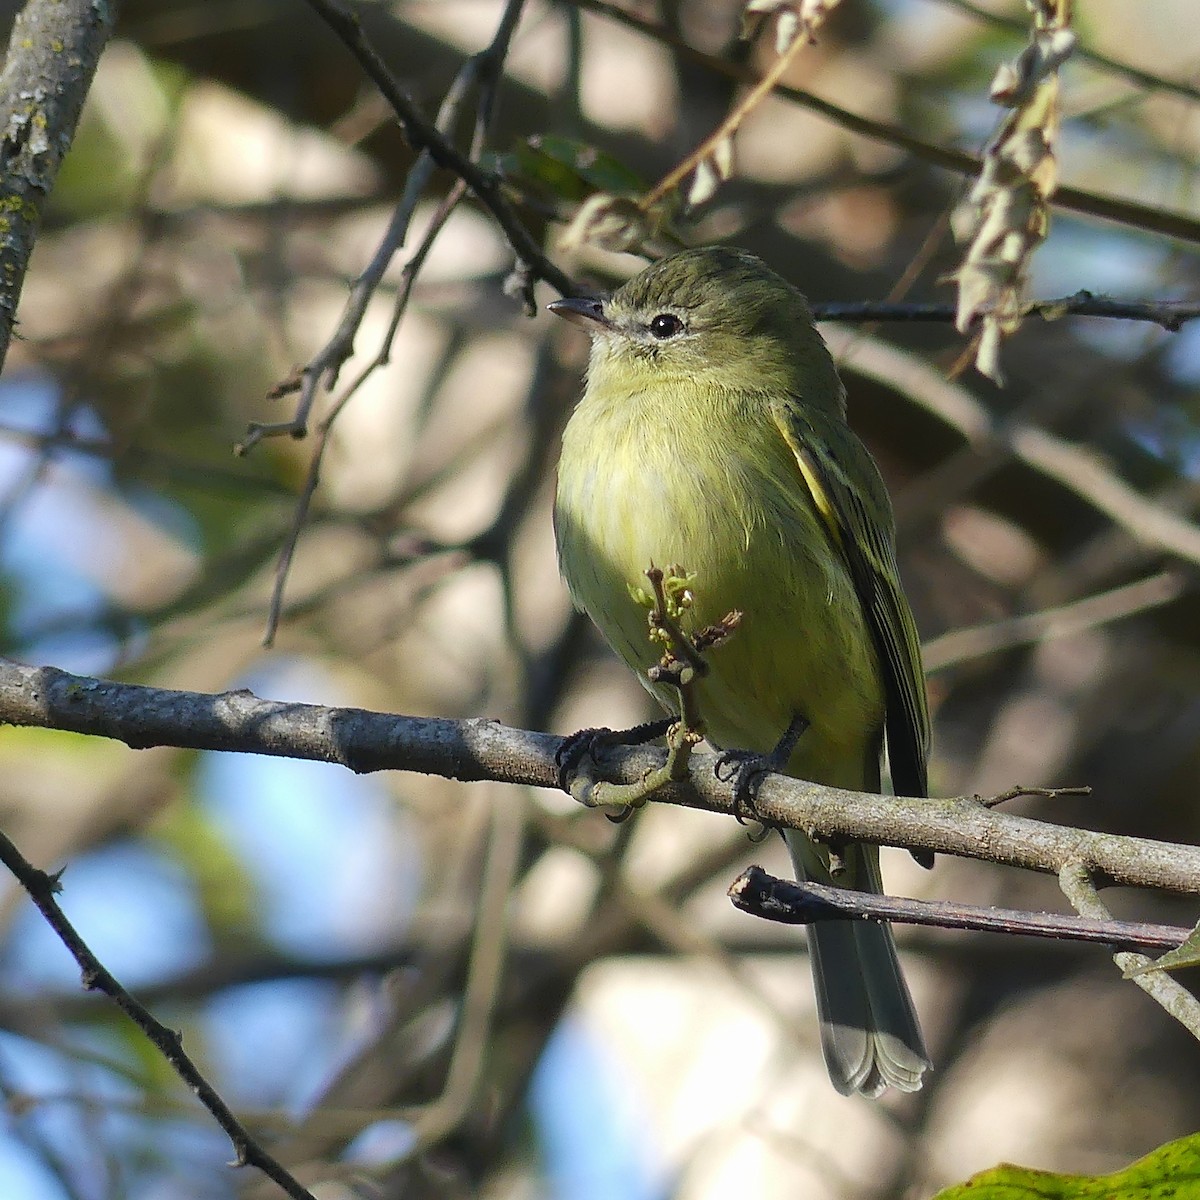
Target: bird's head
x,y
715,317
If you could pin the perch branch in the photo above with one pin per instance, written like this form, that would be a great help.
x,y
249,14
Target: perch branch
x,y
479,749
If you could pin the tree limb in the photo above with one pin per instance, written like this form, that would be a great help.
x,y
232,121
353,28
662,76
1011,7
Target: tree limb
x,y
52,55
480,749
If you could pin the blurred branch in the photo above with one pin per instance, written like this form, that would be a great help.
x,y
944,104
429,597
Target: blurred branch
x,y
1153,219
1073,467
147,463
489,951
1075,879
52,55
763,895
960,645
42,888
479,749
1135,75
424,135
1172,315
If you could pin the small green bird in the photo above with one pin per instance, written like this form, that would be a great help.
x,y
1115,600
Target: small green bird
x,y
712,433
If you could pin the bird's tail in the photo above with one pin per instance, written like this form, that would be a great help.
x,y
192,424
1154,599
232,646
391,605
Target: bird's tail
x,y
869,1031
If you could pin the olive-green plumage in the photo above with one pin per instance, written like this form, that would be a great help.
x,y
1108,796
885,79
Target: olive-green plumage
x,y
712,434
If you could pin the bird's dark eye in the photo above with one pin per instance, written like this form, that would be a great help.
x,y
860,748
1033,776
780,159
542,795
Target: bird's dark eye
x,y
666,325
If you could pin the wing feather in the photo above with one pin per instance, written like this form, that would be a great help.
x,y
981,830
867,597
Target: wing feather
x,y
853,502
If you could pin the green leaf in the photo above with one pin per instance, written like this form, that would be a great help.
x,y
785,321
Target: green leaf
x,y
1172,1172
563,169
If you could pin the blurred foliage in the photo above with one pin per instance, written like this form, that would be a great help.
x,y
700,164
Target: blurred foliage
x,y
319,941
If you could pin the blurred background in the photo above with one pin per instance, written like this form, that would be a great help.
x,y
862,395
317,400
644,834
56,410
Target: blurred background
x,y
411,987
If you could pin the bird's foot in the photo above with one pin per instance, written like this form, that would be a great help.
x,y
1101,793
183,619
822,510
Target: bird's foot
x,y
580,754
744,771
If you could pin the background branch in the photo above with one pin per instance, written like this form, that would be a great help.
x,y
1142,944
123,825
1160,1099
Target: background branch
x,y
792,903
1126,212
1172,315
41,889
422,134
1077,885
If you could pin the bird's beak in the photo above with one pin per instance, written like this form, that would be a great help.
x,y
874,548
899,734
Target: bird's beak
x,y
586,312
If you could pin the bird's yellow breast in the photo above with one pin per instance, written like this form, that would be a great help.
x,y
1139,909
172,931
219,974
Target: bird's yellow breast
x,y
682,475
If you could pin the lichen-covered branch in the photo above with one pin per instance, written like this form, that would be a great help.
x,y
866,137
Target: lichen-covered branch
x,y
51,57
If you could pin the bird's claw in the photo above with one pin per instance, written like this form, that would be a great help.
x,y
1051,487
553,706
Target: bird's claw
x,y
743,771
575,748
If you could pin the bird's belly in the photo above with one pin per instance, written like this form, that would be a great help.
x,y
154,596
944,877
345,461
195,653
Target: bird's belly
x,y
755,543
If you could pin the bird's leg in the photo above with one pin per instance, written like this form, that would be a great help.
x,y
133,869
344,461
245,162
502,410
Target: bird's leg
x,y
744,769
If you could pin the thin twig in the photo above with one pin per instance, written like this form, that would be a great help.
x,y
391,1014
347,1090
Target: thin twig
x,y
41,889
481,70
1111,208
423,135
1077,884
763,895
322,370
1046,793
313,477
1172,315
729,125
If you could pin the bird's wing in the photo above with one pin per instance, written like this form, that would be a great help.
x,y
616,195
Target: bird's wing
x,y
847,490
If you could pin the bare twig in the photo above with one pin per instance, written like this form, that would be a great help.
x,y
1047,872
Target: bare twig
x,y
1172,315
486,750
1075,879
1151,218
481,70
763,895
313,477
42,889
1046,793
423,135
